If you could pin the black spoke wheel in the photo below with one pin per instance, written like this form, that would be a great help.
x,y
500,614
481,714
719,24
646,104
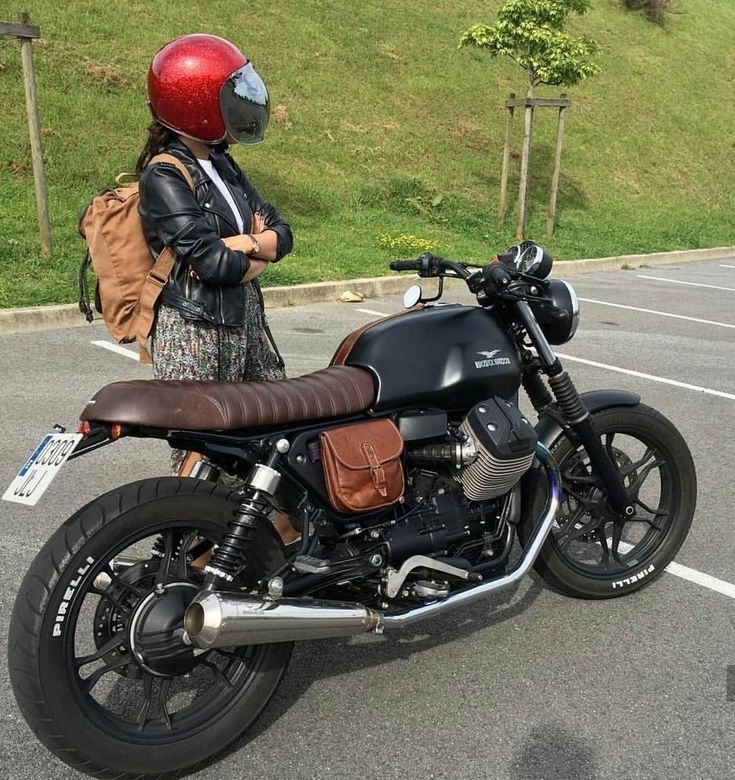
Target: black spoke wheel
x,y
590,551
97,658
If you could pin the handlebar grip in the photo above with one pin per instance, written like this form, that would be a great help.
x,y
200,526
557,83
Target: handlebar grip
x,y
496,275
404,265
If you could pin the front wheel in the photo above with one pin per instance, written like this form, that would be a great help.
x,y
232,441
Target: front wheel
x,y
97,658
590,551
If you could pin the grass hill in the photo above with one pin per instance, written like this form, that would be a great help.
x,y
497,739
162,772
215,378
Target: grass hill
x,y
382,127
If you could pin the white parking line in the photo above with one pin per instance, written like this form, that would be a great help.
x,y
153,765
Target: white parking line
x,y
116,348
662,380
679,281
692,575
370,311
700,578
726,266
659,313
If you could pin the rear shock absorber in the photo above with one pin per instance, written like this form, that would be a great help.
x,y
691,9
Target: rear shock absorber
x,y
261,484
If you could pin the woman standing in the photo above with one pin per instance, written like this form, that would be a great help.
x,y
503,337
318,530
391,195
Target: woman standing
x,y
204,95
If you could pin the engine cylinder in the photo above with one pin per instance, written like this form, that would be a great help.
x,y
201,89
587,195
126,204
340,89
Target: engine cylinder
x,y
505,442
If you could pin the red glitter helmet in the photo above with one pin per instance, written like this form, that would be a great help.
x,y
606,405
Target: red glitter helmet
x,y
203,87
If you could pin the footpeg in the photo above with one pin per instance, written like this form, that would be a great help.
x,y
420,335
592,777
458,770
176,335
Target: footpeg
x,y
394,579
308,564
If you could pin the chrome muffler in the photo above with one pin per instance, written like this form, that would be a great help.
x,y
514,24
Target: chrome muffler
x,y
220,619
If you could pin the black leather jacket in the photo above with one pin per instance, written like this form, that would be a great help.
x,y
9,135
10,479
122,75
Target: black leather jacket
x,y
193,224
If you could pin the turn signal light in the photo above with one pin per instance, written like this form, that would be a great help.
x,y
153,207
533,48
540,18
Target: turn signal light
x,y
116,431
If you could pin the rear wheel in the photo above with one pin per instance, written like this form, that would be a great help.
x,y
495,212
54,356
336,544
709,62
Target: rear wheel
x,y
590,552
97,660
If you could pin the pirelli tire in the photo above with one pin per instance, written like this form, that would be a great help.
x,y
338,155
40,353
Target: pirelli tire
x,y
679,494
48,694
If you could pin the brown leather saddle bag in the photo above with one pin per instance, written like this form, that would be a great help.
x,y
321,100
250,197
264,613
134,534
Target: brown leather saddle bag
x,y
362,465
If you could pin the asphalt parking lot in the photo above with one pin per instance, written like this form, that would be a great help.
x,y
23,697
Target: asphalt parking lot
x,y
525,685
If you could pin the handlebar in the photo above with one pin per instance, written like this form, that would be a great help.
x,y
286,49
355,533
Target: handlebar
x,y
496,274
404,265
428,265
496,281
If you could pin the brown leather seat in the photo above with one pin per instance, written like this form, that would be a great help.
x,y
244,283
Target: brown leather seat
x,y
336,391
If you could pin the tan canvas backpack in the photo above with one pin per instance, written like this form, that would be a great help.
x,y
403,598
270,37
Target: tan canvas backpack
x,y
129,278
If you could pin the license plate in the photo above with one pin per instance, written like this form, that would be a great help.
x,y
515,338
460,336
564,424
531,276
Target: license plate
x,y
41,468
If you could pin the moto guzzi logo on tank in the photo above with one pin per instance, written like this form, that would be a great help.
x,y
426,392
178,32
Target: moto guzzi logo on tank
x,y
490,360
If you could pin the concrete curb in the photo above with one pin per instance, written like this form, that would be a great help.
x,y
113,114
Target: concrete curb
x,y
35,318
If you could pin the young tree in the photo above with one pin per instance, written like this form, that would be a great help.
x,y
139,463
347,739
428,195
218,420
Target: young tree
x,y
531,33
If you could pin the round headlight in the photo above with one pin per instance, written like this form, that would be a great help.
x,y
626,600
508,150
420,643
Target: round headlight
x,y
559,321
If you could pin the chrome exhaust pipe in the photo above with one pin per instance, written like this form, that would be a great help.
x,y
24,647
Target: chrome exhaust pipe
x,y
468,595
221,619
217,619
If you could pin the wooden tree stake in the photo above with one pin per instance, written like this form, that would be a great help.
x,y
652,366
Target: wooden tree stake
x,y
551,219
525,162
25,32
530,103
506,164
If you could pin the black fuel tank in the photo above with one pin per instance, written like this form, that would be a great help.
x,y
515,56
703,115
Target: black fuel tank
x,y
449,357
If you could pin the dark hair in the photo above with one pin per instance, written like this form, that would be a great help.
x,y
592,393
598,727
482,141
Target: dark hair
x,y
158,137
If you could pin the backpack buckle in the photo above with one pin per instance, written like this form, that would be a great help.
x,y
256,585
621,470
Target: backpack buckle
x,y
159,281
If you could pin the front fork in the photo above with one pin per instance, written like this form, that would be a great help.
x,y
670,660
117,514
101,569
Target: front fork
x,y
575,414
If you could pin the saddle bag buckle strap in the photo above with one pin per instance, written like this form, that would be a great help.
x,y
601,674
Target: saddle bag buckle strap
x,y
377,472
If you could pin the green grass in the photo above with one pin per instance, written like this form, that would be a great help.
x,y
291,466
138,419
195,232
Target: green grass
x,y
383,114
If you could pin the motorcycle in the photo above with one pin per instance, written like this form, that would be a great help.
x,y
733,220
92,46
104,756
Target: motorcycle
x,y
155,625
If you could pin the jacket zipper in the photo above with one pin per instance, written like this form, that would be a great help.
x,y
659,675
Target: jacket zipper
x,y
237,206
219,229
242,219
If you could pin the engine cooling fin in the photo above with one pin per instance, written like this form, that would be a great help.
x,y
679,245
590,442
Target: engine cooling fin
x,y
505,443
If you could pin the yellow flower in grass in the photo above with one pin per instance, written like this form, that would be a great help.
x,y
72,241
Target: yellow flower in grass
x,y
406,243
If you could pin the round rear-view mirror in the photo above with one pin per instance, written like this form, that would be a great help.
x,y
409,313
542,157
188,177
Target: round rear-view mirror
x,y
412,296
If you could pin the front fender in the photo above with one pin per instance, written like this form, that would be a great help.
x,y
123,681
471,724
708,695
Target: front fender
x,y
549,427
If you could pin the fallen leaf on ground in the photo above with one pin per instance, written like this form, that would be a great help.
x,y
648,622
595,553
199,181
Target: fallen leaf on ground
x,y
348,296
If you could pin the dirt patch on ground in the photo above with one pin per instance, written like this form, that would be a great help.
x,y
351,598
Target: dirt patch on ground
x,y
103,72
280,116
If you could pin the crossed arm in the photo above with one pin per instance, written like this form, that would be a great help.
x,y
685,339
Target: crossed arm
x,y
268,241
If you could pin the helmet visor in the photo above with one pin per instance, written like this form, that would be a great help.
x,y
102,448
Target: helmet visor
x,y
243,101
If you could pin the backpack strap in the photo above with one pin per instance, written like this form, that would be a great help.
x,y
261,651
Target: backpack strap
x,y
164,157
85,307
158,275
149,295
